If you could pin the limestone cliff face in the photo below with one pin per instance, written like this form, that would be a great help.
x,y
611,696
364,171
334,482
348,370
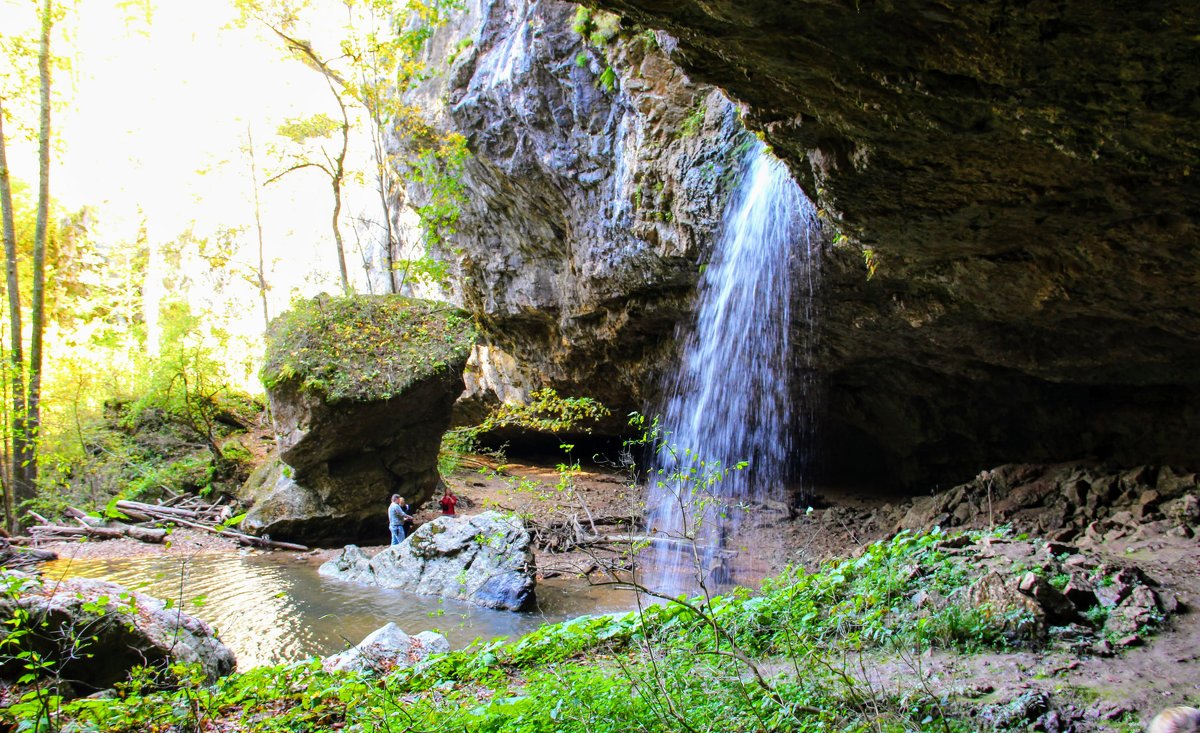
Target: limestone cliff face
x,y
590,208
1022,178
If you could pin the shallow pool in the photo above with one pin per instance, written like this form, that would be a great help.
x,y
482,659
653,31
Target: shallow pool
x,y
274,608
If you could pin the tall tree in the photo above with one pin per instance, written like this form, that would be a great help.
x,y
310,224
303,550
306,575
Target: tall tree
x,y
260,272
373,64
282,17
38,290
16,83
14,473
25,379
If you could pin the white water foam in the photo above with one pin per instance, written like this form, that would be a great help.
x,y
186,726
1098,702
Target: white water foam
x,y
730,401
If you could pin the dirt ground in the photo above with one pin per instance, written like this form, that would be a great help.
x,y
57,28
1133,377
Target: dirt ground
x,y
1136,683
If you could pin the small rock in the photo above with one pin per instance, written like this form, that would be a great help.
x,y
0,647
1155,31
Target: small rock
x,y
388,648
1080,592
1064,535
1058,549
1129,641
1016,612
1184,509
1114,587
1103,648
954,543
1058,608
1173,484
1076,492
1023,709
1123,518
1079,561
1139,609
1168,602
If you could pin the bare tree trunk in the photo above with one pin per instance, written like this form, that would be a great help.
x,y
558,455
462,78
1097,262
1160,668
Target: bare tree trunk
x,y
261,273
16,362
337,171
339,175
38,306
384,187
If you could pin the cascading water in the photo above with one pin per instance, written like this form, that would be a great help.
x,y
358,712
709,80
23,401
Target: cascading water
x,y
731,400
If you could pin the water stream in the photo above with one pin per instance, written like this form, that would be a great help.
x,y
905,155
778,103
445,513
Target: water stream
x,y
730,401
275,608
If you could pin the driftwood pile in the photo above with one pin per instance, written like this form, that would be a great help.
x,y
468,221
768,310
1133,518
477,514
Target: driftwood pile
x,y
150,523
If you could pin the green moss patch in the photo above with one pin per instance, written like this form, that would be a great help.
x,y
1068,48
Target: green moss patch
x,y
364,348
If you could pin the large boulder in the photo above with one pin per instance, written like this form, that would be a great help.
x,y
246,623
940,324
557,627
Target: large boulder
x,y
388,648
485,559
361,390
95,632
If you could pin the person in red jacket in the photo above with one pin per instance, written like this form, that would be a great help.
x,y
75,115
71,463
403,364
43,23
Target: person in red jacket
x,y
447,503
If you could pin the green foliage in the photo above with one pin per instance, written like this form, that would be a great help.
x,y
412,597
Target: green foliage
x,y
186,383
691,125
622,672
597,29
608,79
439,170
302,129
364,347
544,412
870,261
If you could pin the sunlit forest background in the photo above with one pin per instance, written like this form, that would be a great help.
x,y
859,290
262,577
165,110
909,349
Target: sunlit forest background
x,y
190,156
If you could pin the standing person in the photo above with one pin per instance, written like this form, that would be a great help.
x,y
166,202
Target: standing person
x,y
409,522
447,503
396,517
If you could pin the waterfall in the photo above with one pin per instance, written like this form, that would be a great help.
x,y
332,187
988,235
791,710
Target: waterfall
x,y
730,401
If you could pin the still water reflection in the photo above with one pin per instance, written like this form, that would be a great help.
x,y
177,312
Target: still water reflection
x,y
275,608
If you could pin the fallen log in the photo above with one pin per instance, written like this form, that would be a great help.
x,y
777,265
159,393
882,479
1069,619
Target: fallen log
x,y
125,506
244,539
13,557
61,531
58,530
142,534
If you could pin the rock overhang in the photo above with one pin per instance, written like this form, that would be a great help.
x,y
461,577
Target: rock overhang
x,y
1020,180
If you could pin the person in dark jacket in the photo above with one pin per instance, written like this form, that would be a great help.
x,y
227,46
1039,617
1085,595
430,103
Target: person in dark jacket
x,y
396,518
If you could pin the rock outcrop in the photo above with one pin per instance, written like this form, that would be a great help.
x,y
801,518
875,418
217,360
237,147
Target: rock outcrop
x,y
95,632
485,559
1020,183
1067,502
387,648
1053,592
593,199
361,391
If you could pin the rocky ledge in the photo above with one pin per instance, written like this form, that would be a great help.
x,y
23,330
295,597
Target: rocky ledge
x,y
1016,186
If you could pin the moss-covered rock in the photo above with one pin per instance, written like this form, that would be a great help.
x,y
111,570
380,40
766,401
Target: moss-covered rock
x,y
361,390
364,348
